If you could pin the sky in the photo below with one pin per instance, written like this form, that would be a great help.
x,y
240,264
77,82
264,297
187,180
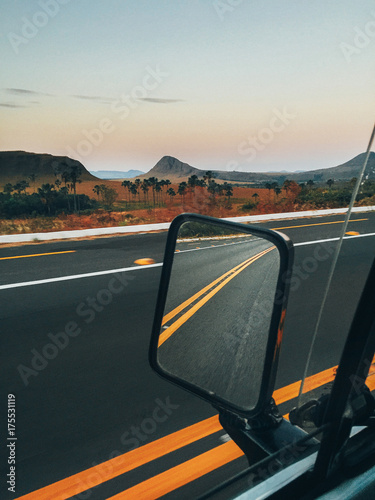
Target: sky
x,y
219,84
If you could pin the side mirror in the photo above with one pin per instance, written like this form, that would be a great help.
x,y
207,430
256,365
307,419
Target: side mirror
x,y
220,311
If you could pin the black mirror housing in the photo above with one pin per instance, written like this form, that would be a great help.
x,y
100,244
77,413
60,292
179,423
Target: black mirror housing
x,y
220,366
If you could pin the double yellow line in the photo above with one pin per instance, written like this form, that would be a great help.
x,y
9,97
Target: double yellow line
x,y
181,474
215,287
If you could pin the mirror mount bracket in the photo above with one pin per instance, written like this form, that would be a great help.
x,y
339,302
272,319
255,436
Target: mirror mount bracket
x,y
268,418
262,436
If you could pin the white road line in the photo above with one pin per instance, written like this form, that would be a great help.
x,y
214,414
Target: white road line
x,y
216,246
145,228
78,276
159,264
331,239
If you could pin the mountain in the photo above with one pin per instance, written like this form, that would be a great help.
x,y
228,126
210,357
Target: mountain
x,y
116,174
346,171
177,171
19,165
173,169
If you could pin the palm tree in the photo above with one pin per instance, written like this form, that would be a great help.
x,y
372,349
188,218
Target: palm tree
x,y
71,172
212,188
126,184
192,182
228,191
97,190
24,185
152,182
171,192
8,188
32,178
166,183
158,189
220,188
137,183
268,186
47,194
65,192
274,186
145,188
21,186
65,178
162,184
182,190
79,181
208,176
133,189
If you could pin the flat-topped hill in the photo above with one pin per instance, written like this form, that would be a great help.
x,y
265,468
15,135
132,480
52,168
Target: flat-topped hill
x,y
20,165
177,171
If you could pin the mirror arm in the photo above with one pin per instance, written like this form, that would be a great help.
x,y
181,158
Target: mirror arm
x,y
268,418
264,435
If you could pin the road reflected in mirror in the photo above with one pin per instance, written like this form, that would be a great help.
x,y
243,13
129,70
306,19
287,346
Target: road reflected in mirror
x,y
218,311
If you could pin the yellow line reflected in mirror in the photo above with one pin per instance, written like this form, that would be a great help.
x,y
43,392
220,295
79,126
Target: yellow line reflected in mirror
x,y
171,329
187,302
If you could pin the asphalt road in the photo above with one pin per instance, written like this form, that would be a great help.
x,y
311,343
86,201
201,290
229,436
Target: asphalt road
x,y
223,343
74,353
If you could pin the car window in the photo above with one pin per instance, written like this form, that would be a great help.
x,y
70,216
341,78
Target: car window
x,y
226,108
351,257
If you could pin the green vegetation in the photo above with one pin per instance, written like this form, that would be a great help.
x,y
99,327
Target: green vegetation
x,y
47,201
50,199
152,185
108,195
160,195
199,195
250,205
334,194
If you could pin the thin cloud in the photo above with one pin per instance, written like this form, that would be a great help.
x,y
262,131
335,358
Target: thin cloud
x,y
16,91
157,100
11,105
106,100
95,98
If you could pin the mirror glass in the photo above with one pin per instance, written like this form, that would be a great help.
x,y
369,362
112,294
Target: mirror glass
x,y
218,311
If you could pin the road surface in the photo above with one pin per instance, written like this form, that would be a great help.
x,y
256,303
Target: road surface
x,y
75,320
